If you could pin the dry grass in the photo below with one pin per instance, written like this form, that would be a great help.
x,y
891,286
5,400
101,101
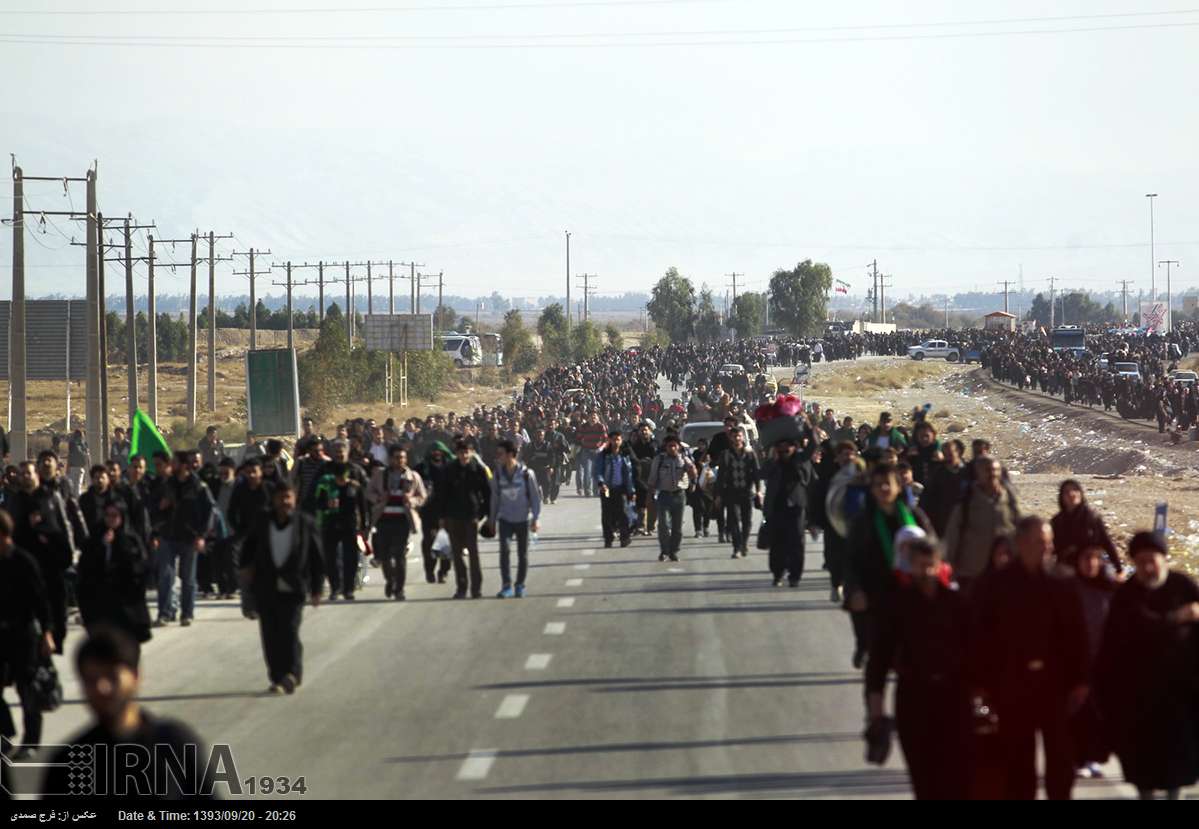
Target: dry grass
x,y
868,378
47,401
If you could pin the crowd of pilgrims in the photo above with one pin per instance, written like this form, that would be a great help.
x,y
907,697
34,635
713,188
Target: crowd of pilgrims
x,y
998,623
1080,378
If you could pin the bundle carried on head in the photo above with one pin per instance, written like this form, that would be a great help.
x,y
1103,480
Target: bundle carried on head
x,y
780,420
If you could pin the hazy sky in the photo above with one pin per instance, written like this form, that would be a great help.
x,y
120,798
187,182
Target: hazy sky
x,y
481,131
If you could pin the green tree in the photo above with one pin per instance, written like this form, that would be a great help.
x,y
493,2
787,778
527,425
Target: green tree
x,y
707,320
615,340
585,341
748,314
520,355
551,326
1039,311
799,297
672,306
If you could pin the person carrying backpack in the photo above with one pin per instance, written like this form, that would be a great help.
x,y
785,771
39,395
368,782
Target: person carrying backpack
x,y
515,496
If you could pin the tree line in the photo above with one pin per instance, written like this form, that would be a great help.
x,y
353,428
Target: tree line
x,y
797,300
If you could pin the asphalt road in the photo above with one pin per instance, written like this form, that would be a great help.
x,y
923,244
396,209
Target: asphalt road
x,y
618,676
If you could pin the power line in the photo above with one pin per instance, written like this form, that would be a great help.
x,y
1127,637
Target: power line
x,y
210,42
557,4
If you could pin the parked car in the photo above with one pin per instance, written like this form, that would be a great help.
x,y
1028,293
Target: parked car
x,y
935,349
973,355
707,429
1184,378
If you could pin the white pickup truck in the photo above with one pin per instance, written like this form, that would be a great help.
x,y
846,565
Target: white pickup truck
x,y
935,349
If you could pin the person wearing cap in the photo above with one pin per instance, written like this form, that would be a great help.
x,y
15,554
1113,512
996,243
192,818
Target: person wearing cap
x,y
921,636
616,483
1147,673
670,475
1030,661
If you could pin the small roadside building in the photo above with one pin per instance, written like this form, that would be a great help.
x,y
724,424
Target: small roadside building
x,y
999,321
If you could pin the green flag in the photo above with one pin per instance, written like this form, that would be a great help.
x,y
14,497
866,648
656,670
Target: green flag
x,y
145,439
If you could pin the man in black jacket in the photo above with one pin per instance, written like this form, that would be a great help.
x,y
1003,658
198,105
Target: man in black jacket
x,y
737,487
126,744
922,637
788,475
282,564
462,502
42,528
1030,659
186,508
432,472
25,635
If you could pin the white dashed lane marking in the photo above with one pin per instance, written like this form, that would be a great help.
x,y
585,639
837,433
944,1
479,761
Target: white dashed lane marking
x,y
512,706
569,601
588,552
555,628
538,661
582,566
477,764
574,582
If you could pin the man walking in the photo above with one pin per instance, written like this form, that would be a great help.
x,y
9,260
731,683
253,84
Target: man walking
x,y
670,475
616,483
515,496
737,489
186,507
397,494
462,502
282,564
1030,661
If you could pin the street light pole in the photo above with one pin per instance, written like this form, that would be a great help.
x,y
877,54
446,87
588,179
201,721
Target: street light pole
x,y
1152,257
568,282
1169,310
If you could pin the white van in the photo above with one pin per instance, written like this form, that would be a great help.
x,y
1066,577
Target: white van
x,y
465,349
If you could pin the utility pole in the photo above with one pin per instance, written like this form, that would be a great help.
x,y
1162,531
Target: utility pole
x,y
1169,309
212,260
370,293
413,285
1006,284
320,297
18,430
349,310
587,291
947,311
568,282
102,311
131,319
191,340
291,285
252,274
1124,298
440,288
1152,269
734,276
1052,302
874,290
391,290
152,328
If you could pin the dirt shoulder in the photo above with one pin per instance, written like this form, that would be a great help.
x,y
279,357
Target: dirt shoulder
x,y
1126,467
